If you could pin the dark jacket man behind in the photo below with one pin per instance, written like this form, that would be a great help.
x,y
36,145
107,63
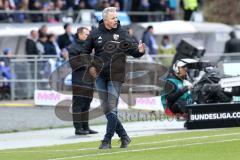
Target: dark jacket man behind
x,y
82,91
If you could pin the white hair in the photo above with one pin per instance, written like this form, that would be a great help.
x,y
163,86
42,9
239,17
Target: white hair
x,y
107,10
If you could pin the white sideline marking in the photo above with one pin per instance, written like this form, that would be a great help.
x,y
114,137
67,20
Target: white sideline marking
x,y
146,149
138,144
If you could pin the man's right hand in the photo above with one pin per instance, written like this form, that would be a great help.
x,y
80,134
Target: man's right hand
x,y
93,72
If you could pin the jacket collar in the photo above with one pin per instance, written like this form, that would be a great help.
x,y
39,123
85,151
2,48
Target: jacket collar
x,y
77,40
103,28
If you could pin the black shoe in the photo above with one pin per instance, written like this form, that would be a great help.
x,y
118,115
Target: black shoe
x,y
81,132
125,142
92,131
86,127
105,145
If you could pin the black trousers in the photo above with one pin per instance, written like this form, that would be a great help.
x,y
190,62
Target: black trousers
x,y
80,108
82,90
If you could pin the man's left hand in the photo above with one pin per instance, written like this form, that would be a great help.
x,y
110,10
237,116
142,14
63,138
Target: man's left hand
x,y
141,47
93,72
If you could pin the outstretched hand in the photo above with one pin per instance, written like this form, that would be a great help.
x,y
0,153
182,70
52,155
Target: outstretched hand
x,y
141,47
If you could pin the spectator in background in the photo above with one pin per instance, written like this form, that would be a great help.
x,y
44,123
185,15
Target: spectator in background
x,y
67,38
41,42
189,6
159,5
150,41
43,29
103,4
172,4
92,4
163,7
5,69
232,45
31,4
31,43
8,55
144,6
130,32
36,5
116,4
51,18
166,46
154,5
127,5
80,5
51,46
59,6
5,73
21,5
3,16
10,5
69,4
6,6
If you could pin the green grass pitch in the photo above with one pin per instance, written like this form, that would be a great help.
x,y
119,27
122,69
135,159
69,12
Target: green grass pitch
x,y
216,144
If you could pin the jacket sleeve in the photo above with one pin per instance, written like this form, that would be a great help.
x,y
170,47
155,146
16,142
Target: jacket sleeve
x,y
146,39
77,59
87,49
151,49
72,54
174,94
60,42
133,49
72,50
88,44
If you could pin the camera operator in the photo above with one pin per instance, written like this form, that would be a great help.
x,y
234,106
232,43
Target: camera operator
x,y
177,88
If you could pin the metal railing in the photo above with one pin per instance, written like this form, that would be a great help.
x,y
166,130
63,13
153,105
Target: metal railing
x,y
27,74
143,75
32,72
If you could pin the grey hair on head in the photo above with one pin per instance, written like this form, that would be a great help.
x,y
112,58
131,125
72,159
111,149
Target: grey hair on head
x,y
107,10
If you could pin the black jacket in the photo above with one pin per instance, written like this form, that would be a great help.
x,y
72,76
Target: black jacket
x,y
75,49
114,61
31,47
64,41
232,46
